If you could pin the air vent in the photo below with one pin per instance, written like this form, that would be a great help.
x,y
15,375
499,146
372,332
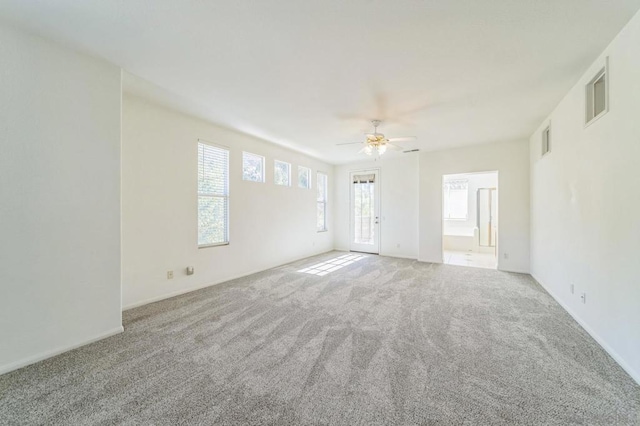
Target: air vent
x,y
411,150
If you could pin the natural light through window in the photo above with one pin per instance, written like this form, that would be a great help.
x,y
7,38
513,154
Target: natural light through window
x,y
323,268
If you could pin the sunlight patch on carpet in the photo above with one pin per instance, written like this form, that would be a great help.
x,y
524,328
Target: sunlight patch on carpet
x,y
323,268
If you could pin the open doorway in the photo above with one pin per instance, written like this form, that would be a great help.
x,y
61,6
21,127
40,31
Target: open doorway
x,y
470,219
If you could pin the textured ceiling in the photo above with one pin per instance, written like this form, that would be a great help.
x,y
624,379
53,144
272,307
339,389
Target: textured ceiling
x,y
310,75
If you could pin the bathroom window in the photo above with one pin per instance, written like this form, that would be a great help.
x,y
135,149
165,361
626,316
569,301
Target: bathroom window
x,y
456,199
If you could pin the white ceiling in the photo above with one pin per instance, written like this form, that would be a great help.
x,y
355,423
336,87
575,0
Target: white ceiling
x,y
310,75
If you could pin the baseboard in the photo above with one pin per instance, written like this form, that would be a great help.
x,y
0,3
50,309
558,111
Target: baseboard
x,y
45,355
517,271
200,287
617,358
398,256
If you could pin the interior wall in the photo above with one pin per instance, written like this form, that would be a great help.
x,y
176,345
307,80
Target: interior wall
x,y
511,161
585,202
60,210
269,224
399,204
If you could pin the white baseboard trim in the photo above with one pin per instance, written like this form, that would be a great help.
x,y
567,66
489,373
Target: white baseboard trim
x,y
517,271
48,354
200,287
621,362
398,256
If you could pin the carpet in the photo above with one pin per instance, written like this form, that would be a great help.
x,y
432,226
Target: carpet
x,y
365,340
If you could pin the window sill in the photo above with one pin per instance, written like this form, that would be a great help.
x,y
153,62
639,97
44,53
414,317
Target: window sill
x,y
213,245
455,219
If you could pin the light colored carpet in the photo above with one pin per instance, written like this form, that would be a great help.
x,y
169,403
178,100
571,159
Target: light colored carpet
x,y
380,341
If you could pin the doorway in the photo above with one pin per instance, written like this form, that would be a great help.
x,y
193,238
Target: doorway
x,y
470,219
365,211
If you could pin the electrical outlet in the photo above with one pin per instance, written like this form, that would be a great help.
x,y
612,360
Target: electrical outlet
x,y
583,297
169,275
572,289
506,255
397,245
190,270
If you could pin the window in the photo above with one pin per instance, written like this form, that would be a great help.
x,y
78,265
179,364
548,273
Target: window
x,y
252,167
304,177
546,140
282,173
321,180
213,195
597,95
456,199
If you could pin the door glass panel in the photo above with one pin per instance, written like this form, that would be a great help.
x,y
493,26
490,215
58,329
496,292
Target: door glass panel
x,y
364,212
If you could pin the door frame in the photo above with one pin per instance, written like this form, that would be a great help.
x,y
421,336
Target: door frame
x,y
496,247
378,204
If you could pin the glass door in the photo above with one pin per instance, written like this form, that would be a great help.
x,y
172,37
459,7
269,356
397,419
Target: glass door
x,y
365,211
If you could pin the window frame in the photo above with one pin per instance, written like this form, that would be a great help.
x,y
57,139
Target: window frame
x,y
275,163
308,170
264,166
590,95
546,140
324,201
224,196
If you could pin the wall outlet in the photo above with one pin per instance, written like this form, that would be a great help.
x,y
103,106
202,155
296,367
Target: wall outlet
x,y
583,297
397,245
190,270
506,255
572,289
169,275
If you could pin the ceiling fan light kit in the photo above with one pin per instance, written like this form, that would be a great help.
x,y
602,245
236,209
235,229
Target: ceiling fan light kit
x,y
377,143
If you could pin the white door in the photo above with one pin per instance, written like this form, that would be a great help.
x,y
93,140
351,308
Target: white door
x,y
365,211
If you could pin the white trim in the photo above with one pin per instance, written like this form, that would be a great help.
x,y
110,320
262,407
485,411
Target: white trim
x,y
617,358
399,256
49,354
200,287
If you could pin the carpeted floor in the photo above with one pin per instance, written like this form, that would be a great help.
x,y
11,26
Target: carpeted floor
x,y
380,341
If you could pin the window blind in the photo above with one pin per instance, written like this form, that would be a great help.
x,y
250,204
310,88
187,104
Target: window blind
x,y
213,195
364,178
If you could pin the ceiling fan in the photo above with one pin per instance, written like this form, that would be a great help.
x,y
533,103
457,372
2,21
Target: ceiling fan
x,y
377,142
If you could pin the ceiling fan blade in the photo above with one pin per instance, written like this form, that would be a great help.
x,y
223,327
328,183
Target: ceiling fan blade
x,y
405,138
394,147
348,143
362,150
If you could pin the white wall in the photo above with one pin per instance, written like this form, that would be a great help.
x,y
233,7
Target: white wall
x,y
269,225
60,210
511,160
399,204
585,204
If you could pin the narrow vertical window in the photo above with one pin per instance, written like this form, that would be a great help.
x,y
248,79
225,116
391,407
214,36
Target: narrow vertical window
x,y
213,195
546,140
321,180
597,94
282,173
304,177
252,167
